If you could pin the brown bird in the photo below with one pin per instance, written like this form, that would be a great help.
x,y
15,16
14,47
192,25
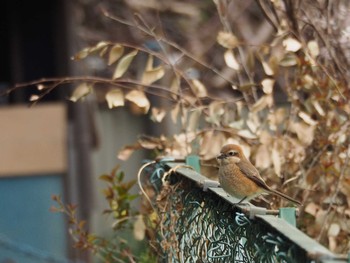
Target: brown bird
x,y
240,179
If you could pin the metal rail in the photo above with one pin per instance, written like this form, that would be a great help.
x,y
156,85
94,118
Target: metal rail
x,y
284,224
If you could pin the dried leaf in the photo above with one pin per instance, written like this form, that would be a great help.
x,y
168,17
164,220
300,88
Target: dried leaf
x,y
276,160
263,157
34,97
157,114
216,110
267,69
304,131
262,103
198,88
307,118
115,53
318,108
291,44
227,40
267,85
41,87
124,64
312,208
139,98
81,91
175,113
313,48
115,98
193,120
246,134
175,87
126,152
82,54
289,60
152,75
149,64
334,230
139,228
230,60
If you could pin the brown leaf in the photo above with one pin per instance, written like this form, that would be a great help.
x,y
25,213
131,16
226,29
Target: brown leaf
x,y
158,114
139,228
230,60
124,64
198,88
227,40
81,91
126,152
115,53
152,75
139,98
115,98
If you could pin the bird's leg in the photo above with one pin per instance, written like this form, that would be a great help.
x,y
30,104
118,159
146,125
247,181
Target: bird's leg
x,y
244,198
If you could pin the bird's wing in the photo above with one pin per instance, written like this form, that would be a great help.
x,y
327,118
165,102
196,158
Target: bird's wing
x,y
252,173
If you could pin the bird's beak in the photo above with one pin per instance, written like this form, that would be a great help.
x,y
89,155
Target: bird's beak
x,y
220,156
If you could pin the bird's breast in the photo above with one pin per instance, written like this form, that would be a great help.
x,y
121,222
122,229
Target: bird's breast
x,y
235,183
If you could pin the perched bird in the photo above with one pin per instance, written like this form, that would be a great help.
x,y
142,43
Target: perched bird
x,y
239,178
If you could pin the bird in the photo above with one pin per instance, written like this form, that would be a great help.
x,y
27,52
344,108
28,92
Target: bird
x,y
239,178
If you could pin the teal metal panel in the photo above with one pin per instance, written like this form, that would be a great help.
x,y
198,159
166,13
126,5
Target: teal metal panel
x,y
29,232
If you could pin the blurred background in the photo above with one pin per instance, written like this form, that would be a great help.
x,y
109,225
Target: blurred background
x,y
61,148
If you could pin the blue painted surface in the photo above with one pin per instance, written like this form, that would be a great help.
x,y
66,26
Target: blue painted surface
x,y
29,232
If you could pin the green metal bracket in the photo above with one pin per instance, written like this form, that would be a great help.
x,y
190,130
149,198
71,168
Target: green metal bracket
x,y
288,214
194,162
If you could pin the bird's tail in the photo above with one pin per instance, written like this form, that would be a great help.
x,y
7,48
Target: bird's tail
x,y
285,196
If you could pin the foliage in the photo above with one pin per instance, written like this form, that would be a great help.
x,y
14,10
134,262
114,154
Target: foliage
x,y
282,95
115,249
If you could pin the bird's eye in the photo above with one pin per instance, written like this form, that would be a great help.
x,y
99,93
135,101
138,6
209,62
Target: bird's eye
x,y
233,153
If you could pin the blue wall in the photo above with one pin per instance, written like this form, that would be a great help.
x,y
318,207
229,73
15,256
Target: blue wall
x,y
29,232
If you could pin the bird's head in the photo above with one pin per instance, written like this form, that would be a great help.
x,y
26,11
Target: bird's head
x,y
230,153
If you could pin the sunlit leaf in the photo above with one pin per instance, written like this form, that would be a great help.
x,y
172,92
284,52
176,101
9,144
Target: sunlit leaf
x,y
124,64
276,160
115,53
307,118
263,157
289,60
245,133
267,85
149,63
175,87
152,75
291,44
125,153
267,69
41,87
82,54
139,228
115,98
318,108
313,48
230,60
174,113
198,88
262,103
158,114
139,98
81,91
334,229
227,40
193,120
34,97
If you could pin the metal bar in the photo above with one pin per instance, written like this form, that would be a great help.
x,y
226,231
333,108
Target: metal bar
x,y
285,227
